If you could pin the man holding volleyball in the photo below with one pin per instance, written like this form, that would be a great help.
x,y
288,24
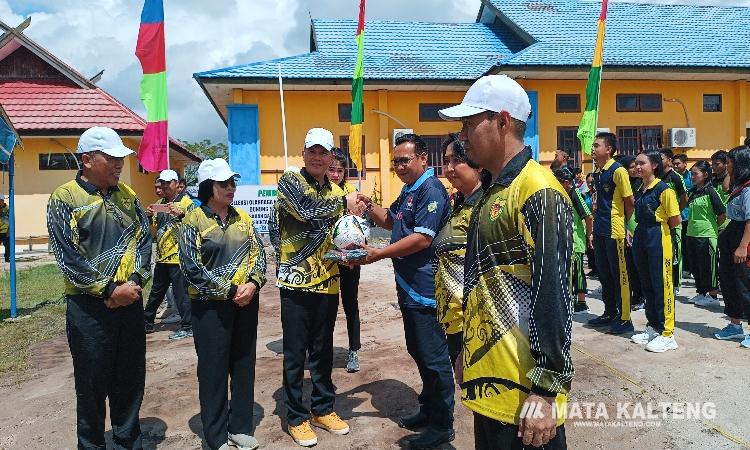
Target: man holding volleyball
x,y
414,219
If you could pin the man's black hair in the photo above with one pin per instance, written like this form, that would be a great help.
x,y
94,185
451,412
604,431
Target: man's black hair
x,y
420,146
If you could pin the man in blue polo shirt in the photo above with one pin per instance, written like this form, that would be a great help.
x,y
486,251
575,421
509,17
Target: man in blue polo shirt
x,y
414,219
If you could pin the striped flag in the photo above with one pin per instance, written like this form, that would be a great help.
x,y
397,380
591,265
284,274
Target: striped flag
x,y
358,113
587,128
153,152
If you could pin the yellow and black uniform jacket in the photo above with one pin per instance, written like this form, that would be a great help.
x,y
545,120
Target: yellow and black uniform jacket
x,y
450,252
518,301
217,256
168,228
306,213
99,239
4,218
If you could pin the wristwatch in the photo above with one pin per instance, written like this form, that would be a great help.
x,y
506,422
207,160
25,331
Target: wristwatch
x,y
131,283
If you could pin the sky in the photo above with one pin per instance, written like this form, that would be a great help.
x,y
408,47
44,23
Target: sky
x,y
204,35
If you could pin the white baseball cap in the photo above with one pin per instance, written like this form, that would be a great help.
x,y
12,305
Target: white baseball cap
x,y
102,139
492,93
168,175
319,136
215,169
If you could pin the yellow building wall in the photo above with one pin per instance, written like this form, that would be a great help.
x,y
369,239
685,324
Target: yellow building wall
x,y
308,109
34,186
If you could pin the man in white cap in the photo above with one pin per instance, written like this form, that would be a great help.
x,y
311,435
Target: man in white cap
x,y
4,226
517,295
100,237
307,207
167,269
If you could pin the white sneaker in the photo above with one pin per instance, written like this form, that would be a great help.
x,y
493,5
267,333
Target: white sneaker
x,y
707,301
661,344
645,336
174,318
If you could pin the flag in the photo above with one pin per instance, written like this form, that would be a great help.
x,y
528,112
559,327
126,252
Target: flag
x,y
153,152
587,128
8,137
358,113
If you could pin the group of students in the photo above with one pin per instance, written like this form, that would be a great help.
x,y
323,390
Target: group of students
x,y
483,284
654,219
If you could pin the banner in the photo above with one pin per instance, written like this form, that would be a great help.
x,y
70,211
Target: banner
x,y
257,201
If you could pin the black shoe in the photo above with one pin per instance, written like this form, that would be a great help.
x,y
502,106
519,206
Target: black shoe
x,y
414,421
431,438
601,321
150,328
621,327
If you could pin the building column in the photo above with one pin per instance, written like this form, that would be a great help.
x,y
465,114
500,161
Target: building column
x,y
741,95
384,147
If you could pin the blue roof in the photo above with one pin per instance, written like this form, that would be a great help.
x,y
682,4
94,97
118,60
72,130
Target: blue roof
x,y
637,34
393,51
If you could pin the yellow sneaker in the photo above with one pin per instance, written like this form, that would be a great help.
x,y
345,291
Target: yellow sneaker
x,y
331,422
303,434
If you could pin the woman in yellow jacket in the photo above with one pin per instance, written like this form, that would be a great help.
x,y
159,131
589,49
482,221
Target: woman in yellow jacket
x,y
450,243
224,263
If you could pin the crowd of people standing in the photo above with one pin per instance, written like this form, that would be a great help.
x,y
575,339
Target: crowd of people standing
x,y
487,280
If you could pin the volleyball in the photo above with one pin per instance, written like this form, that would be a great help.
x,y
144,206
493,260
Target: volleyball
x,y
350,232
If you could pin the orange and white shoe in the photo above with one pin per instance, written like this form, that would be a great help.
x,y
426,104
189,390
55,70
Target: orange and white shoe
x,y
331,422
303,434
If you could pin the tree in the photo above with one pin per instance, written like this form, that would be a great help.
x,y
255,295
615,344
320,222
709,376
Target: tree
x,y
206,149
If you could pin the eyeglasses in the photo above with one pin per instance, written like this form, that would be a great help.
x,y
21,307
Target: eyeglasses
x,y
453,161
402,161
226,183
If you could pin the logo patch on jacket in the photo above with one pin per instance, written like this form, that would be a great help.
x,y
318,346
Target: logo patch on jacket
x,y
496,208
432,207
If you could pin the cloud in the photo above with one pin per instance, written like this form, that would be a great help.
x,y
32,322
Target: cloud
x,y
203,35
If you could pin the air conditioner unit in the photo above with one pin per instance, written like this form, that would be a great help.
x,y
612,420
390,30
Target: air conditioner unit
x,y
398,132
603,130
682,137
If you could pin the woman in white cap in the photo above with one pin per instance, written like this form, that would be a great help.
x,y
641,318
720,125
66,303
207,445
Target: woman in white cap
x,y
223,260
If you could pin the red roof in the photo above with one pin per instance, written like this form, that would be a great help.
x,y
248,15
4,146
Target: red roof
x,y
54,105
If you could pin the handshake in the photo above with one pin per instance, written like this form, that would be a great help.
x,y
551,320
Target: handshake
x,y
357,203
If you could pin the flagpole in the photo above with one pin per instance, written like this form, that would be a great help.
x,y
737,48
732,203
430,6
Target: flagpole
x,y
283,120
12,232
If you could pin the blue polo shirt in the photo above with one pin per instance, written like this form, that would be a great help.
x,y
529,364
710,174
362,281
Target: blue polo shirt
x,y
422,207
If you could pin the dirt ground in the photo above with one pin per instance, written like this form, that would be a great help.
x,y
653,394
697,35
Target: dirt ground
x,y
40,413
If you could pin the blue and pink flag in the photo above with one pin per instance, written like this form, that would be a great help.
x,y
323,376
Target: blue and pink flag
x,y
153,152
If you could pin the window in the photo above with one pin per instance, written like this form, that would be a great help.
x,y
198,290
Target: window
x,y
568,103
435,153
345,112
633,140
428,112
352,172
59,161
639,102
567,139
711,102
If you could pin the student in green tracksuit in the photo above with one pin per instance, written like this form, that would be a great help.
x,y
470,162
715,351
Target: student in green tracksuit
x,y
581,237
658,214
706,212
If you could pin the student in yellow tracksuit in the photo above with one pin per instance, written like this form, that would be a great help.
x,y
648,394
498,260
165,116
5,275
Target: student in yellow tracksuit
x,y
654,250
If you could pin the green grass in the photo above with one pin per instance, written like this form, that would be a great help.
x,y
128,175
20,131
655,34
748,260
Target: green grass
x,y
40,300
39,296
